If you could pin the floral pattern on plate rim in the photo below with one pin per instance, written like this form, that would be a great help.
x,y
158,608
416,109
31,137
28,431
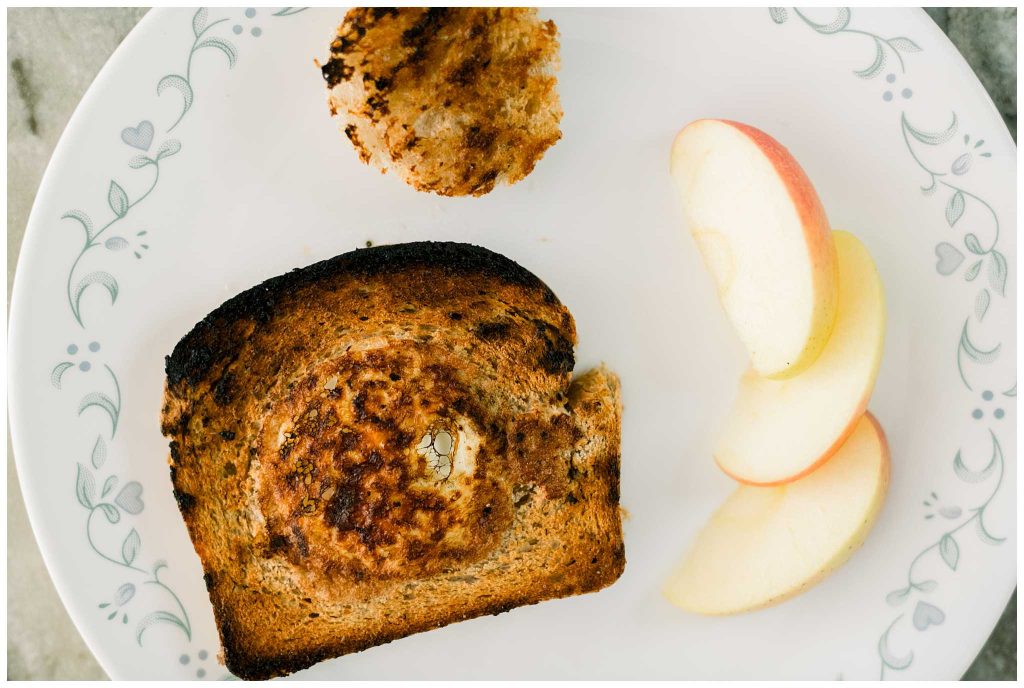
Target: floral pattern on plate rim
x,y
110,535
128,502
946,182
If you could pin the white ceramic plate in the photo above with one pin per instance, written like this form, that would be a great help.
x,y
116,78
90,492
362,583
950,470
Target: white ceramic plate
x,y
203,161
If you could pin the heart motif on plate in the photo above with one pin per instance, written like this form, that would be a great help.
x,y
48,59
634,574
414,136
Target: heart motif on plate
x,y
926,615
949,258
140,136
130,498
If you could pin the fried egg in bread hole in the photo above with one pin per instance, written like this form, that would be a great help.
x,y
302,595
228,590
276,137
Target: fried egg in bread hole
x,y
377,464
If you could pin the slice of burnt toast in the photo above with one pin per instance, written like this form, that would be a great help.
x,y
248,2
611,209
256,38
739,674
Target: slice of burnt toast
x,y
387,442
452,99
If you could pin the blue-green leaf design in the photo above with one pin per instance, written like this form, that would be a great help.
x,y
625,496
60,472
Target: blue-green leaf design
x,y
973,244
973,271
116,243
99,452
981,302
973,352
58,372
85,486
82,219
897,597
108,485
286,11
904,45
841,21
997,273
140,161
972,476
955,208
926,586
160,617
1012,392
168,148
876,66
104,279
180,84
949,551
931,138
101,401
891,660
220,44
199,21
961,165
117,199
985,536
130,547
110,511
778,14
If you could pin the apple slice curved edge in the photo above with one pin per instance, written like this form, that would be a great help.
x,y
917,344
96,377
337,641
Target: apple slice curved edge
x,y
780,430
765,545
765,238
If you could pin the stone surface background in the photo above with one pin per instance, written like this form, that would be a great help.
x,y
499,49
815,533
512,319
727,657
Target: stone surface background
x,y
53,56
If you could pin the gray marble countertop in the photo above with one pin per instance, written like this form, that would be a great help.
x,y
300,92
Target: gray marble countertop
x,y
53,56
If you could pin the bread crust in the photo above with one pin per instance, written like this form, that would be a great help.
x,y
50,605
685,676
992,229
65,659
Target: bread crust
x,y
454,100
325,525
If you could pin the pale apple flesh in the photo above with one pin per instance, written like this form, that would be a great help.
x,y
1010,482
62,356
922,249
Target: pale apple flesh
x,y
765,545
779,430
764,237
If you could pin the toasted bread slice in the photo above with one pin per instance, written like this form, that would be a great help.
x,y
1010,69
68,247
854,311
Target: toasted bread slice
x,y
454,100
387,442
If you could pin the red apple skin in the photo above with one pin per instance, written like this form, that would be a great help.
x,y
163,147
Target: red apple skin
x,y
857,408
856,539
817,236
828,454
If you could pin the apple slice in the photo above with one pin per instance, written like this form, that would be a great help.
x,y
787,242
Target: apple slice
x,y
779,430
767,544
765,238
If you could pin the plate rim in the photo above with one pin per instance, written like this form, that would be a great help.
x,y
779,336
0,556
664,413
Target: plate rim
x,y
34,238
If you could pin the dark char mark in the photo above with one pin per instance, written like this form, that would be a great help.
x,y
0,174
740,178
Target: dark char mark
x,y
420,34
558,356
211,342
